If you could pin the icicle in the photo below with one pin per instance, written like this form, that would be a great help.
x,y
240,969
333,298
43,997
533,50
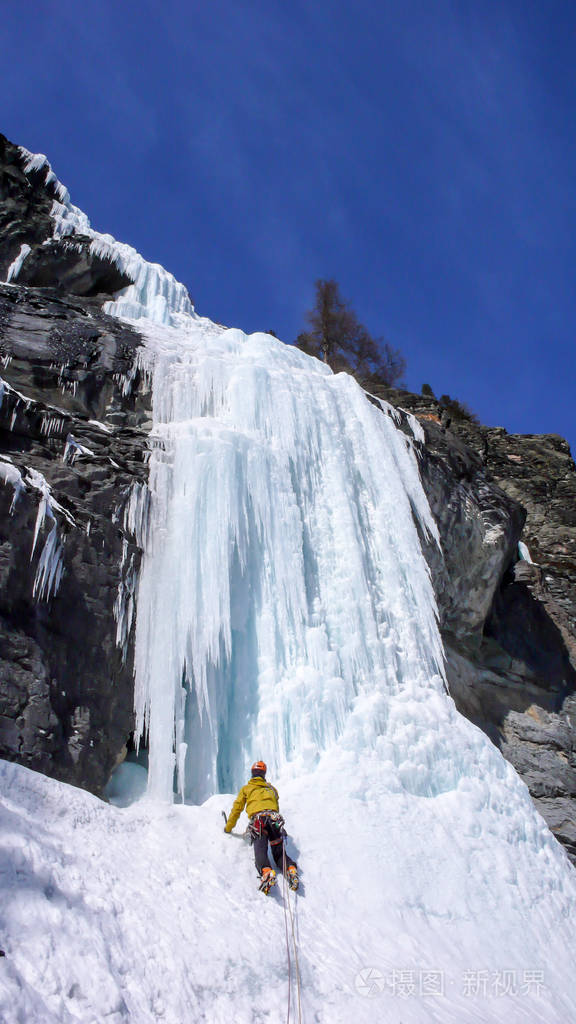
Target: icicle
x,y
16,265
524,552
124,603
134,511
135,519
74,449
7,389
51,561
38,162
416,427
9,474
50,566
181,745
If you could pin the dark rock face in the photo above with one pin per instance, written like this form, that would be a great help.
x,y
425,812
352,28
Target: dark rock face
x,y
73,427
509,626
25,204
72,269
66,690
66,264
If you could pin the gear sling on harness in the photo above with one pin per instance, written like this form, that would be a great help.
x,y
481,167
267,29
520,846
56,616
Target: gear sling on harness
x,y
268,827
269,822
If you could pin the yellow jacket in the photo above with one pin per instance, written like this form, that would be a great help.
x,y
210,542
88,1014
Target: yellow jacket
x,y
257,795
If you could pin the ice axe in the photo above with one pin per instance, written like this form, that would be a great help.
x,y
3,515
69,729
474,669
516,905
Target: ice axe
x,y
237,835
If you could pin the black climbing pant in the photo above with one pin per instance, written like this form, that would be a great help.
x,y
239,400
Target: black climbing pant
x,y
264,830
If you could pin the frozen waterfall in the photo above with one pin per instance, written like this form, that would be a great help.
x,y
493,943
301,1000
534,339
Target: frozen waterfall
x,y
284,597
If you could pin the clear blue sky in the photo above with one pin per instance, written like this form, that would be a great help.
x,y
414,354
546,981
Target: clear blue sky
x,y
421,152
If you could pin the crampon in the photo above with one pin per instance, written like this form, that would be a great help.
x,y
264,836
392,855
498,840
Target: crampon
x,y
267,881
293,880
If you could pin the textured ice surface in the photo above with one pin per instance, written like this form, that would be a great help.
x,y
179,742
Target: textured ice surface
x,y
284,600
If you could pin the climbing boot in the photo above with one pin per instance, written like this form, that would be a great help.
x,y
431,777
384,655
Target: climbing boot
x,y
293,878
268,879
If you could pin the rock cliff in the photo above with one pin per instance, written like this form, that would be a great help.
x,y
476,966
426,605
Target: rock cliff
x,y
508,623
72,450
73,424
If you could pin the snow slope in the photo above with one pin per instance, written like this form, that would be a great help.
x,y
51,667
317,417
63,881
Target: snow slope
x,y
285,612
152,914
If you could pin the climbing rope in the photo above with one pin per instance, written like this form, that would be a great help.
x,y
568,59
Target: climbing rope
x,y
285,901
288,910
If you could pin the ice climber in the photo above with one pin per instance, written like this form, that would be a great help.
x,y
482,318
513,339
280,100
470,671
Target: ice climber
x,y
266,826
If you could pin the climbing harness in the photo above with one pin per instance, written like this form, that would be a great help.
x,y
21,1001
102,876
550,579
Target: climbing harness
x,y
259,824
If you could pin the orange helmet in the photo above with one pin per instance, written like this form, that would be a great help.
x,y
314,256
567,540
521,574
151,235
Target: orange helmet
x,y
259,768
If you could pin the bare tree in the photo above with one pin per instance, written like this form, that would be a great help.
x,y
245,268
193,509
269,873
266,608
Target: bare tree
x,y
336,335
